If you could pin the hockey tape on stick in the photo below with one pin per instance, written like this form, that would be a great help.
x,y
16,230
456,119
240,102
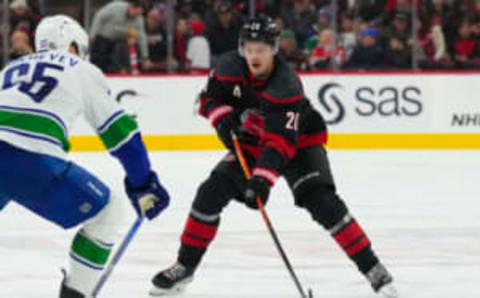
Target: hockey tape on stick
x,y
147,202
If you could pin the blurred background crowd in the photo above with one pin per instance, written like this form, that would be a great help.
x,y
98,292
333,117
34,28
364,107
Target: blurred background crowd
x,y
138,36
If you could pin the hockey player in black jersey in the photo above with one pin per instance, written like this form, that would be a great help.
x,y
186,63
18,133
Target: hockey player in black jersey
x,y
255,94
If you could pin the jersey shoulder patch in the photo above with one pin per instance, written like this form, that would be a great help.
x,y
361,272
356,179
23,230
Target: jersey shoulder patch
x,y
284,86
230,67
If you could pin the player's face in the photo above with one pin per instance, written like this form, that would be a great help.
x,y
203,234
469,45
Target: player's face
x,y
259,56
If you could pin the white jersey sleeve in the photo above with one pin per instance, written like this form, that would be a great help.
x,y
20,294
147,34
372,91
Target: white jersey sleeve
x,y
103,113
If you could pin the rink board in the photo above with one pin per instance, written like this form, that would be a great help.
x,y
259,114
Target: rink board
x,y
374,111
336,141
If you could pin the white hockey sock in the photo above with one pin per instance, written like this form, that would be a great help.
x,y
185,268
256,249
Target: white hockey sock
x,y
87,260
91,247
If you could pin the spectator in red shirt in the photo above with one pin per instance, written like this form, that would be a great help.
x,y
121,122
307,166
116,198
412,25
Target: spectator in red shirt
x,y
466,48
325,51
181,39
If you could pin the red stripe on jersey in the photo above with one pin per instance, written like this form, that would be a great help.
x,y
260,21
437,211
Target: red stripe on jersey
x,y
217,113
282,100
196,228
279,143
254,150
269,175
357,247
227,78
204,101
346,236
309,140
193,242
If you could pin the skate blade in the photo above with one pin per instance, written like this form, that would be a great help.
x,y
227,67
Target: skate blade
x,y
389,291
174,291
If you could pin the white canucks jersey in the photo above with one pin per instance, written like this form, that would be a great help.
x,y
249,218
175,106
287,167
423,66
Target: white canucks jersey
x,y
43,94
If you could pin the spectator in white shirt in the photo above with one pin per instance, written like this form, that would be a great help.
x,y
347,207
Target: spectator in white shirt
x,y
198,48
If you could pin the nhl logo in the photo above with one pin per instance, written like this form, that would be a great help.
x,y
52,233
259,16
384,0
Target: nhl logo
x,y
237,92
85,207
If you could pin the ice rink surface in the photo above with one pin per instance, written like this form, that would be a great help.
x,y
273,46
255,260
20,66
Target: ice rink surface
x,y
420,208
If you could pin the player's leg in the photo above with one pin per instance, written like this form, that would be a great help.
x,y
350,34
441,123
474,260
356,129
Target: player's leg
x,y
310,179
67,195
91,248
212,197
77,197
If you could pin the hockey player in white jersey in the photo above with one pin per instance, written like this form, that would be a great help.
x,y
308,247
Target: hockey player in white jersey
x,y
41,97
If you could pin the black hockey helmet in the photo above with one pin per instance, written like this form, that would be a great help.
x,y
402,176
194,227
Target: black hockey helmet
x,y
260,28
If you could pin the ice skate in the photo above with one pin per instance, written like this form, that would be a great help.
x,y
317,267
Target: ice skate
x,y
382,282
66,292
171,281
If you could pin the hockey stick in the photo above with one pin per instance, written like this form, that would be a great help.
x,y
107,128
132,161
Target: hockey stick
x,y
117,256
266,219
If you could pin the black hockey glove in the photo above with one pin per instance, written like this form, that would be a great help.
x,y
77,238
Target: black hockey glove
x,y
256,187
225,127
150,199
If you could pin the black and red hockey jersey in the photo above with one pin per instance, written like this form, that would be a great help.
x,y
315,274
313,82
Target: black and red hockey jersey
x,y
276,119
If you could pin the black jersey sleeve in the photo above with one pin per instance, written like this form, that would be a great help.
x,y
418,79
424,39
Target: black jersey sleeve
x,y
214,103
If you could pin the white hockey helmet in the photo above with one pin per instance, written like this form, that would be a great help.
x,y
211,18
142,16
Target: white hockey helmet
x,y
59,32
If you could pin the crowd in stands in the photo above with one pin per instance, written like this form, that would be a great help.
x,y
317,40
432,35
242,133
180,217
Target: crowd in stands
x,y
131,36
